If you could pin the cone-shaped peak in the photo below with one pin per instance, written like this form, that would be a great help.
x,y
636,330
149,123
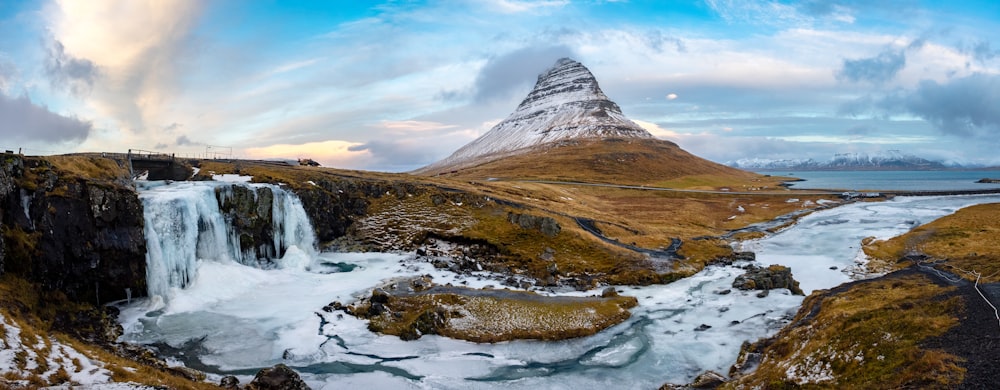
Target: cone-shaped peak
x,y
566,103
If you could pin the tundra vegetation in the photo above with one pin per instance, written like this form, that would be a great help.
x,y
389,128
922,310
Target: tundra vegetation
x,y
913,327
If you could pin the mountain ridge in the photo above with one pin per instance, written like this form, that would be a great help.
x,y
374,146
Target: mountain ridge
x,y
885,160
565,103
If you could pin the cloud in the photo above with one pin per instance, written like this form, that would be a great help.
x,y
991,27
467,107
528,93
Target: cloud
x,y
656,39
829,9
519,6
966,106
64,71
7,74
983,51
757,12
671,96
24,122
876,70
185,141
655,129
411,126
508,73
137,46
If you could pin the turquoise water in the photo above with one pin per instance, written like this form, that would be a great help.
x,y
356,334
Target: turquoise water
x,y
892,180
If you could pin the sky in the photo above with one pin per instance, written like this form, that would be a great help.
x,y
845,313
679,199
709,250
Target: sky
x,y
396,85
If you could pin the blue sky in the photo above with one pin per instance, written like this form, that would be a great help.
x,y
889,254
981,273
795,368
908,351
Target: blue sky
x,y
396,85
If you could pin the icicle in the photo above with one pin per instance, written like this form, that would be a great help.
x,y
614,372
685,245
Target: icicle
x,y
26,205
184,225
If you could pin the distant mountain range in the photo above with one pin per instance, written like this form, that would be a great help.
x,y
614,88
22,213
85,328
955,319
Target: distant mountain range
x,y
886,160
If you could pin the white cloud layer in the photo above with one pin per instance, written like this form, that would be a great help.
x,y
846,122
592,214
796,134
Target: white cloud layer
x,y
402,85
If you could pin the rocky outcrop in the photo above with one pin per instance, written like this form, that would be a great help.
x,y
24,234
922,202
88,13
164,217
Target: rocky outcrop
x,y
547,225
74,234
336,204
279,377
734,257
775,276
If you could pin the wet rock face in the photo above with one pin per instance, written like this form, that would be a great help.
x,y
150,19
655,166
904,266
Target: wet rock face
x,y
333,206
84,238
760,278
11,166
249,211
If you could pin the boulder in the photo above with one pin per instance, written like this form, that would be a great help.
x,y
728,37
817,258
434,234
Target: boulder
x,y
732,258
230,383
279,377
760,278
708,380
545,225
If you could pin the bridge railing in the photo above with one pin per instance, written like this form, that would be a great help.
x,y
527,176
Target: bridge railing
x,y
138,154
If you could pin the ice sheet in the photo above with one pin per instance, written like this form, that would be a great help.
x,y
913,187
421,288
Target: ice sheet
x,y
236,319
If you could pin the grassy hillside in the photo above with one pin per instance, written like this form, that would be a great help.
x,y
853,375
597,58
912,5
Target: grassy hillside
x,y
633,161
919,326
966,243
863,335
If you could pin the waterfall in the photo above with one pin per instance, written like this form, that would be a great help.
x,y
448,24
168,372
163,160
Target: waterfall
x,y
185,224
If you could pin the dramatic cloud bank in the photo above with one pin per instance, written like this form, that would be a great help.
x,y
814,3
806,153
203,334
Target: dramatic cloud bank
x,y
398,85
24,121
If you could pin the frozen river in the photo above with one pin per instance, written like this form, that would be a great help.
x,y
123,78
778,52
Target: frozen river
x,y
235,319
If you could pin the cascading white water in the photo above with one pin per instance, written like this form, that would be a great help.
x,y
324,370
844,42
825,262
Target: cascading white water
x,y
184,225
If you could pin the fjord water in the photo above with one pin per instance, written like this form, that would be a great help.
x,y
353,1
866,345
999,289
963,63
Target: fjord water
x,y
232,318
893,180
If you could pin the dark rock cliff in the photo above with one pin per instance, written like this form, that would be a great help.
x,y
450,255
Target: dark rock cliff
x,y
249,211
334,205
78,235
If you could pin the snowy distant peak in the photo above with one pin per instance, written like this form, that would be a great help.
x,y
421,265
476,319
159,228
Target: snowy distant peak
x,y
888,160
566,103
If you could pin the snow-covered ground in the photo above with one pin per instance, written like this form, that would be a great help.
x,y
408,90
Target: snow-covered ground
x,y
25,358
235,319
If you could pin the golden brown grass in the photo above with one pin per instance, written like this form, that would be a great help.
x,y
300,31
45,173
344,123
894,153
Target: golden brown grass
x,y
641,217
88,167
617,161
968,240
866,337
508,315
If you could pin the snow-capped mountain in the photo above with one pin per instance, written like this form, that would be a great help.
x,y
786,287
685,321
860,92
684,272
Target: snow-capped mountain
x,y
886,160
566,103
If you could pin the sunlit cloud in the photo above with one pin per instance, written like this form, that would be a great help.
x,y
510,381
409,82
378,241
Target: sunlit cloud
x,y
656,130
328,153
136,45
410,126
